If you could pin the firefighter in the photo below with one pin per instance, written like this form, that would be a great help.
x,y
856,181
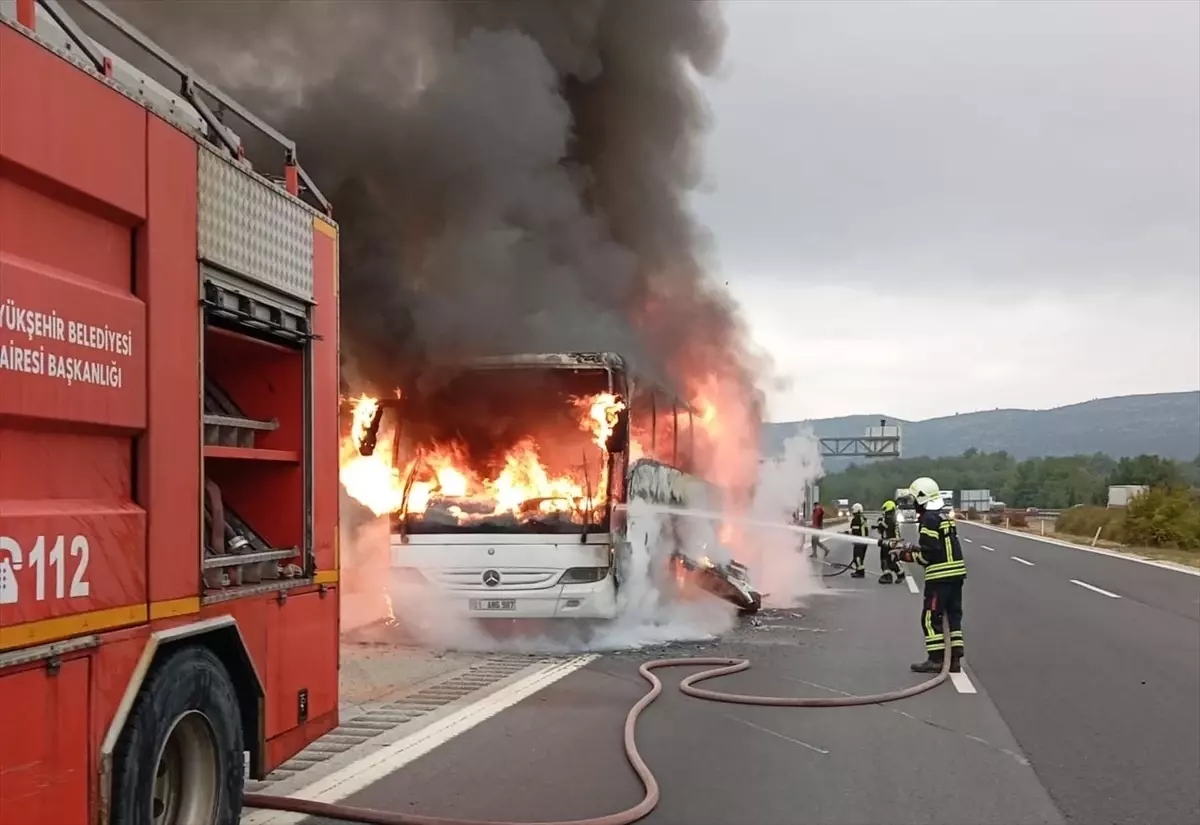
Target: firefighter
x,y
889,528
940,553
858,527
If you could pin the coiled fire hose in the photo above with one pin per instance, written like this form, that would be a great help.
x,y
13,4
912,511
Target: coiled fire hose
x,y
717,667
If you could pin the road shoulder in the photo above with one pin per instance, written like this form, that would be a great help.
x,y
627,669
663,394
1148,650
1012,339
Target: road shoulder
x,y
1132,557
391,690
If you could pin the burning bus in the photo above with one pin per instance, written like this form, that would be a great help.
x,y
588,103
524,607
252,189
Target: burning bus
x,y
503,480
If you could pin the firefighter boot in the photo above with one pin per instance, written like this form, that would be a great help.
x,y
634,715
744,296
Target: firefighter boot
x,y
858,574
886,578
956,655
930,665
899,576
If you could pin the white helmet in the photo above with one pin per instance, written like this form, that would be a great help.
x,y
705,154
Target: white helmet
x,y
926,494
857,508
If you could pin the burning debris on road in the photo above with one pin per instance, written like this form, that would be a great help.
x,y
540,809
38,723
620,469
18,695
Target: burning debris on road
x,y
729,580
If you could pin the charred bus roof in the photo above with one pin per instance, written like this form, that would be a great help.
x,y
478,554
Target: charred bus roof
x,y
550,360
568,360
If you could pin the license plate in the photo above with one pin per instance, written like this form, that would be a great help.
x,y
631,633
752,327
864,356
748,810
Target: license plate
x,y
493,604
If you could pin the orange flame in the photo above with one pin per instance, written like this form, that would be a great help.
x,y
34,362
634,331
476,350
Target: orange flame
x,y
603,410
441,474
364,412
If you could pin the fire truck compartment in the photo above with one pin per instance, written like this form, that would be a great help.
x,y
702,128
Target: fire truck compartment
x,y
45,754
168,416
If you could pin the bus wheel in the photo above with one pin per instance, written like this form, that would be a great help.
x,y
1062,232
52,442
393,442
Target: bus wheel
x,y
179,759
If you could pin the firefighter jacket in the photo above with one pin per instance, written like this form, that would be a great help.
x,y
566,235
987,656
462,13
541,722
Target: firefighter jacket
x,y
888,525
858,525
938,550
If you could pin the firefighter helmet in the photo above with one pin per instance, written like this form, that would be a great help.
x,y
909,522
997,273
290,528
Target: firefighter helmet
x,y
857,508
889,505
926,494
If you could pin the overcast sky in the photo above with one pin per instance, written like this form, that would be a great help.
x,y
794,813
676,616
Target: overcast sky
x,y
1011,190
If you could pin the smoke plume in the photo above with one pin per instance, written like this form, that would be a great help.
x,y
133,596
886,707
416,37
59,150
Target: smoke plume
x,y
508,176
781,567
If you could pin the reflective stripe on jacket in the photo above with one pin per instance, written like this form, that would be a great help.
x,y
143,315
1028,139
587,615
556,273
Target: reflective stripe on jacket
x,y
940,552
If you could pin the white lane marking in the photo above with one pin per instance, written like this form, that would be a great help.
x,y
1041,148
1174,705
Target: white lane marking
x,y
989,549
1164,565
967,540
1018,558
1096,589
912,584
376,765
776,733
962,682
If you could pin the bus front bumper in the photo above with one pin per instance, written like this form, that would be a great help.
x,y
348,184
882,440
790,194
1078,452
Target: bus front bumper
x,y
596,600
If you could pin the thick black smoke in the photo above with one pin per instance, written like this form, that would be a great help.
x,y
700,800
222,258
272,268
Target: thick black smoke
x,y
508,176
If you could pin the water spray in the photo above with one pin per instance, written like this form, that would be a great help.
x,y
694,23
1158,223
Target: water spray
x,y
713,515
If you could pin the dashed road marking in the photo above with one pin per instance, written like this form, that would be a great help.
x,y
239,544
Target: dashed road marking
x,y
776,733
962,682
1018,558
1095,589
912,584
967,540
1123,556
989,549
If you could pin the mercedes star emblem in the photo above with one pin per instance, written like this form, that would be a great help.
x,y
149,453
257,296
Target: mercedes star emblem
x,y
491,578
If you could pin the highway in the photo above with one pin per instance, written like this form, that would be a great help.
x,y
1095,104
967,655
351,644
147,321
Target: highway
x,y
1080,703
1094,663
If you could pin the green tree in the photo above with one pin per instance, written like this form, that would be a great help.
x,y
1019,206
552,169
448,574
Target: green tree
x,y
1151,470
1055,482
1191,472
1163,517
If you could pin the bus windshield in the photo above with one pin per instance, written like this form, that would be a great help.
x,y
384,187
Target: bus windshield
x,y
505,450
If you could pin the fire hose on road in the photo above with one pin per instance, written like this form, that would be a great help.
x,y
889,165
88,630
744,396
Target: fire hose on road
x,y
716,667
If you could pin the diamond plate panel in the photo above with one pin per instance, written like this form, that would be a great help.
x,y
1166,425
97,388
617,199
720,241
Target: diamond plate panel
x,y
248,227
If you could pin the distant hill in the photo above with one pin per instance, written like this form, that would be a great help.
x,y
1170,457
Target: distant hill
x,y
1165,424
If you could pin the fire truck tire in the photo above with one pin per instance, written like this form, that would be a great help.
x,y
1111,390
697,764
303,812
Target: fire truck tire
x,y
179,759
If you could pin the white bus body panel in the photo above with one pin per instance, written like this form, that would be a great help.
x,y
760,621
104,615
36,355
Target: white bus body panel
x,y
468,572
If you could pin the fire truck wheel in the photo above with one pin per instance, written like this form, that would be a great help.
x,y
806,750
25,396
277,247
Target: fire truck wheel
x,y
179,759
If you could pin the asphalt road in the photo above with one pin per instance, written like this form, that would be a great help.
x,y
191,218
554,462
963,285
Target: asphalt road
x,y
1102,693
1087,709
942,758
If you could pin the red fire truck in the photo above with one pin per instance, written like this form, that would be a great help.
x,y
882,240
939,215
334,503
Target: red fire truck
x,y
168,437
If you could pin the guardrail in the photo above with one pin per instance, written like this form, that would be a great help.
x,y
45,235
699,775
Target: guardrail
x,y
1034,513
